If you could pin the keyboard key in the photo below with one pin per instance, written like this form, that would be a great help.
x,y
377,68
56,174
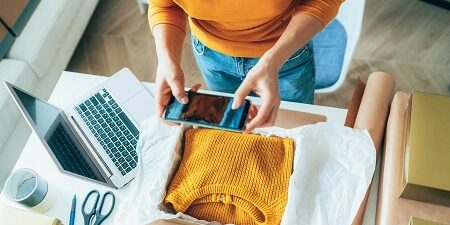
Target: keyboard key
x,y
128,169
117,144
114,139
93,100
114,105
83,108
122,139
133,164
100,98
115,129
128,124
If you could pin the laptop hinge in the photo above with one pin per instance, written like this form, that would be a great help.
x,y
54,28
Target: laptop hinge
x,y
105,166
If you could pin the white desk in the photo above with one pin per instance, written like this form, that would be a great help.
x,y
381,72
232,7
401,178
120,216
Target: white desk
x,y
69,87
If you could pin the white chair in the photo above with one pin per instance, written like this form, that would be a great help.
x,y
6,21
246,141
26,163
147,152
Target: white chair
x,y
351,17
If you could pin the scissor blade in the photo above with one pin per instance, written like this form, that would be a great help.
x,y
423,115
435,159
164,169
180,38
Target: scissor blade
x,y
92,220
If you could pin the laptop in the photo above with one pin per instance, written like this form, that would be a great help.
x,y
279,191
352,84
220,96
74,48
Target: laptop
x,y
96,136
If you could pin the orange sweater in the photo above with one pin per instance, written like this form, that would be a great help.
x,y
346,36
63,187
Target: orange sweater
x,y
245,28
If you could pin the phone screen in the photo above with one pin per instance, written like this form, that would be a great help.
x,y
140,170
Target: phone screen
x,y
208,110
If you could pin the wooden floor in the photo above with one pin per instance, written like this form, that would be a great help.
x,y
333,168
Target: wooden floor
x,y
407,38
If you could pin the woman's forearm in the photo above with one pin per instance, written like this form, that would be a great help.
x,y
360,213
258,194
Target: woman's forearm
x,y
169,43
299,31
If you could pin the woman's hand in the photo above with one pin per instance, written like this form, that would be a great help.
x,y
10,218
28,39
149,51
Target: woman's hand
x,y
169,81
262,79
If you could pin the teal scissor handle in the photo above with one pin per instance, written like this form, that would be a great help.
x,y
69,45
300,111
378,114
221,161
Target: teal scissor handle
x,y
95,214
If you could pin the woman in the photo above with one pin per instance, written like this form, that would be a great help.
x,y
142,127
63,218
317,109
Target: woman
x,y
241,47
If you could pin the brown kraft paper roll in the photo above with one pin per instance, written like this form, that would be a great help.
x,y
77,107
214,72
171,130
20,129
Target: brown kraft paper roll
x,y
390,208
355,102
372,115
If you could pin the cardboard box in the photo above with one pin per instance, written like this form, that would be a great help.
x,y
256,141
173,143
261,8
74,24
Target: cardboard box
x,y
426,158
10,215
417,221
174,221
390,208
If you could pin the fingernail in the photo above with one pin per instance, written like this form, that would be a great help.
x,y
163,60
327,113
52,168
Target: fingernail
x,y
184,100
234,105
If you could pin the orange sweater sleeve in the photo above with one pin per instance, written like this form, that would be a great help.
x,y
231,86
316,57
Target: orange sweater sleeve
x,y
166,12
324,10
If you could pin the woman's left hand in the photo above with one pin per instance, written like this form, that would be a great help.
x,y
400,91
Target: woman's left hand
x,y
262,79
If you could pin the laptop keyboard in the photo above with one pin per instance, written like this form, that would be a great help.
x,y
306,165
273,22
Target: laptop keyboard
x,y
112,128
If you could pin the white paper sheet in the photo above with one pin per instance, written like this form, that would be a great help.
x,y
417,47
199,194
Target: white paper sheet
x,y
333,167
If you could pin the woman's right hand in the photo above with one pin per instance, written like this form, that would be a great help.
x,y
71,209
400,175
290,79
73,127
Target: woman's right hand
x,y
169,81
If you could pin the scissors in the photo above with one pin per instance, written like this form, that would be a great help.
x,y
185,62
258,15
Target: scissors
x,y
95,216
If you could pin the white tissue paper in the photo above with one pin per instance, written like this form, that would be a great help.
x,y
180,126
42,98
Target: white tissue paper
x,y
333,167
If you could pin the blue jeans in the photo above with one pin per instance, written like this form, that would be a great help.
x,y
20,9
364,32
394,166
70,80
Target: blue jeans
x,y
225,73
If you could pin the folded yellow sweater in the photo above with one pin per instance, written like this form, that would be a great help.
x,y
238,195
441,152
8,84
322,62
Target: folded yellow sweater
x,y
232,177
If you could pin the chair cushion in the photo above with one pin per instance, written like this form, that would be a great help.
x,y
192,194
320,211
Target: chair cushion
x,y
329,49
21,75
44,33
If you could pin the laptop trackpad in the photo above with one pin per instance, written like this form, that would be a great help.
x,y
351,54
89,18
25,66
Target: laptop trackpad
x,y
140,107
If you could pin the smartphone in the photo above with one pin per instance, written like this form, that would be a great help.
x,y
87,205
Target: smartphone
x,y
208,110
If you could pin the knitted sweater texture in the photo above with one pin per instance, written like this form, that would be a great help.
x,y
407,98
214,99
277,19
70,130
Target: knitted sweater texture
x,y
232,177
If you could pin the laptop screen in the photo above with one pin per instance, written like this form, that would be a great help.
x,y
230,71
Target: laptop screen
x,y
51,126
